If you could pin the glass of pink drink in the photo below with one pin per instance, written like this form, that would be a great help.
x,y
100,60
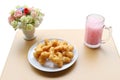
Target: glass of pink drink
x,y
94,29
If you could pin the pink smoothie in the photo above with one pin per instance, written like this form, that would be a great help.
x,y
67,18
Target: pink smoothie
x,y
93,33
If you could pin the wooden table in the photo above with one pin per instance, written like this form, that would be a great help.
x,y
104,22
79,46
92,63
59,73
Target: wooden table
x,y
92,64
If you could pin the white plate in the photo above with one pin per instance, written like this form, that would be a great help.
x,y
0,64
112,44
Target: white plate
x,y
38,66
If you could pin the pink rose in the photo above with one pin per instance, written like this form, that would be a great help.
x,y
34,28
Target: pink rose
x,y
10,19
18,14
33,14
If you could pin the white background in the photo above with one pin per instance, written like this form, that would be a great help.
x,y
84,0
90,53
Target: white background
x,y
59,14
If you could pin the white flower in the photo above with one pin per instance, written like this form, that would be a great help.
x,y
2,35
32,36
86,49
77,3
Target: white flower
x,y
14,24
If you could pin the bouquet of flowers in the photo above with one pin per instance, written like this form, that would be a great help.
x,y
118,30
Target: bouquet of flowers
x,y
25,18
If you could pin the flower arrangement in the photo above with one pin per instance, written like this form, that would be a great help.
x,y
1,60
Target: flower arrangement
x,y
25,18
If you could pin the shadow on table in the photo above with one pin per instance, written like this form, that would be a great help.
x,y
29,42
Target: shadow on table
x,y
54,74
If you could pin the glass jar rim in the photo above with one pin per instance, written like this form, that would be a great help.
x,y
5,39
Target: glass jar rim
x,y
95,18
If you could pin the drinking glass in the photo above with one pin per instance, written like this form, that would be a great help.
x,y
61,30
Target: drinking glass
x,y
94,30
